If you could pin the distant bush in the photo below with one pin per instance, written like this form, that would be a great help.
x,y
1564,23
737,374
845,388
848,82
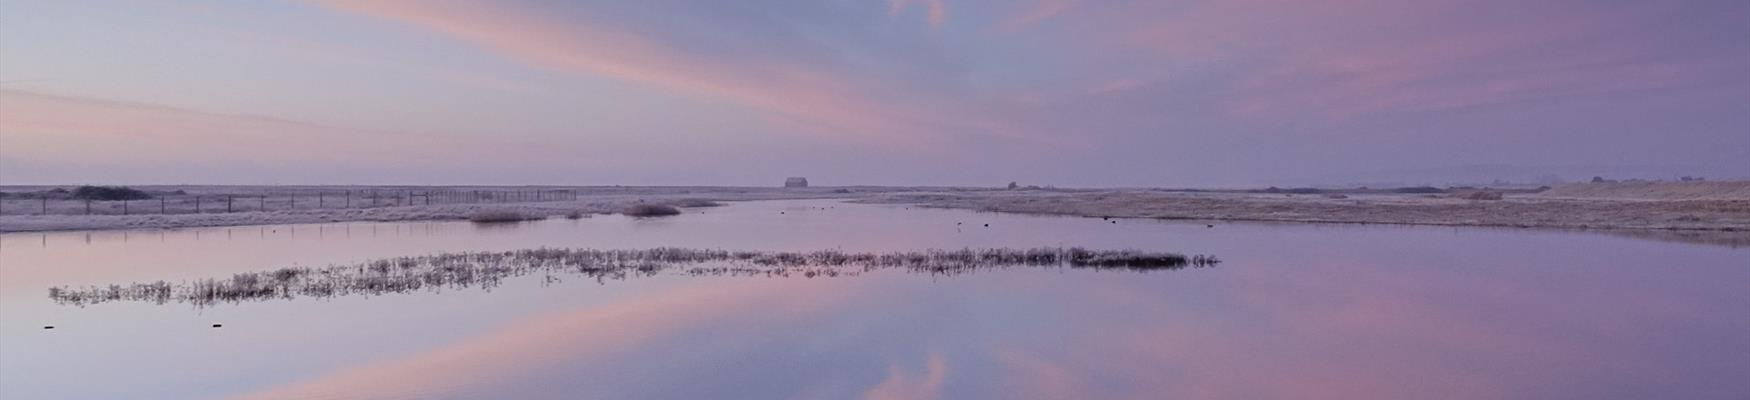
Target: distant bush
x,y
1419,190
496,216
652,210
109,193
574,215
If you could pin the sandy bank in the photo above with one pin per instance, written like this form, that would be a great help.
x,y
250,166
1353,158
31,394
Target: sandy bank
x,y
1513,211
1722,190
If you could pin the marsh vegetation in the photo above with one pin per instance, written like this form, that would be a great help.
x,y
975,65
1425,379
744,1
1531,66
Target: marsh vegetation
x,y
489,269
651,210
499,216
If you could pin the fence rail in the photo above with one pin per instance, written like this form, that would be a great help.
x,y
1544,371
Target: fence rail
x,y
37,204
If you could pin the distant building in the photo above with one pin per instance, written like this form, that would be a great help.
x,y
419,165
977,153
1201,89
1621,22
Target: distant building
x,y
796,182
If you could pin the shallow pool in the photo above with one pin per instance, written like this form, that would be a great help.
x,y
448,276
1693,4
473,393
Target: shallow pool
x,y
1293,311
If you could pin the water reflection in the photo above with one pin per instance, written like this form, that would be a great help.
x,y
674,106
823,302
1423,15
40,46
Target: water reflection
x,y
1294,311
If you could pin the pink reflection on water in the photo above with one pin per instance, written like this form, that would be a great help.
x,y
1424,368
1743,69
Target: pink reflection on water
x,y
543,341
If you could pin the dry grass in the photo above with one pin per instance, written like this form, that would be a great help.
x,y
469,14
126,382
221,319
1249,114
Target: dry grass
x,y
1704,190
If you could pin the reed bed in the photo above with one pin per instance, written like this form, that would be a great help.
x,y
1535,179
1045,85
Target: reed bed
x,y
651,210
490,269
500,216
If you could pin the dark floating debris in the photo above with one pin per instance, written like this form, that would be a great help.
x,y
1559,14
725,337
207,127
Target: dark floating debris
x,y
218,325
489,269
49,327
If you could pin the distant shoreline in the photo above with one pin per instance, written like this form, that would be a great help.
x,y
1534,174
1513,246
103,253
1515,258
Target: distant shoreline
x,y
1719,213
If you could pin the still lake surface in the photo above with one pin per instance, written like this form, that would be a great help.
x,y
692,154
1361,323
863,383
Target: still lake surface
x,y
1293,311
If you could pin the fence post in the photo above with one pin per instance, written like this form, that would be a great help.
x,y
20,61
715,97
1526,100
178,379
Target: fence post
x,y
87,206
124,207
263,203
228,200
45,204
197,204
321,200
349,199
160,204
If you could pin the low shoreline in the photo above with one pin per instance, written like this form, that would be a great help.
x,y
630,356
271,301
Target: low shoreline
x,y
589,202
1512,212
1713,221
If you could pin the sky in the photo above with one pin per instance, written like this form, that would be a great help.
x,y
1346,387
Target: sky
x,y
898,92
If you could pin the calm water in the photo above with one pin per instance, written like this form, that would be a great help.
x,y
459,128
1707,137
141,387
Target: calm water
x,y
1295,311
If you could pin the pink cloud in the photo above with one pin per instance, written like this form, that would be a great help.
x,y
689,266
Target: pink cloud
x,y
1354,58
51,127
1038,11
832,102
935,10
1035,377
901,385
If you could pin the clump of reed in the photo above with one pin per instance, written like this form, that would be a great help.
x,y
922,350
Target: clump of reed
x,y
488,269
651,210
1480,195
499,216
693,203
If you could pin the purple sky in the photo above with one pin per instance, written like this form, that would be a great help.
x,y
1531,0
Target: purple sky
x,y
939,92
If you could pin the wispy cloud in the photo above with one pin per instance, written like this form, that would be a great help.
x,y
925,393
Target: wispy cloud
x,y
935,10
830,95
45,126
1039,10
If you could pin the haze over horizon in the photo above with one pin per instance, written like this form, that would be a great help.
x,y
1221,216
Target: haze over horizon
x,y
900,92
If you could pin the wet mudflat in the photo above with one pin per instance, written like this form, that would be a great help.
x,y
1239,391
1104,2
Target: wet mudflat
x,y
1291,311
